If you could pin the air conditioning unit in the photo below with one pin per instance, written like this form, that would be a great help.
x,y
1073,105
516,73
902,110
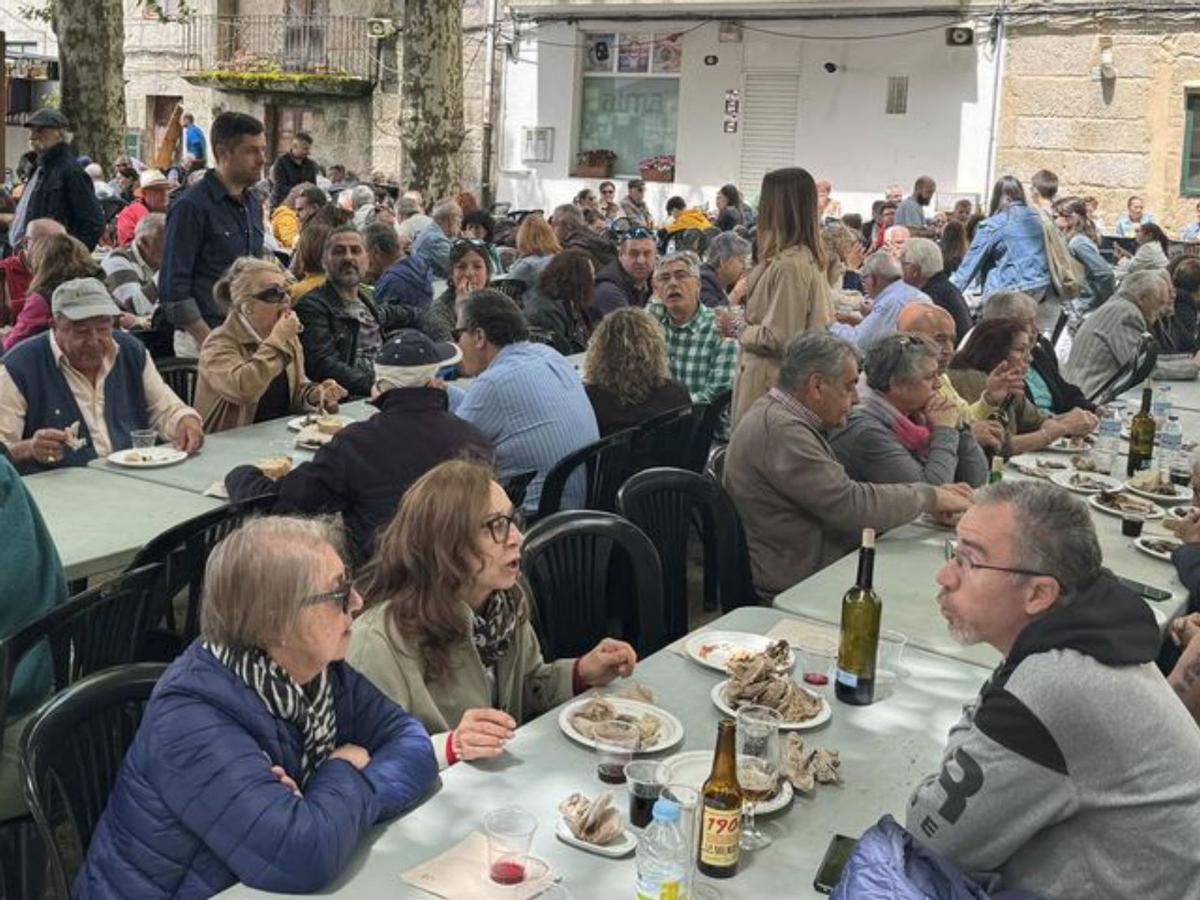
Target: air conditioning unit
x,y
380,29
960,36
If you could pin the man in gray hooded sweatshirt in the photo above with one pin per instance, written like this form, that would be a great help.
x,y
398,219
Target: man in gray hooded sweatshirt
x,y
1076,771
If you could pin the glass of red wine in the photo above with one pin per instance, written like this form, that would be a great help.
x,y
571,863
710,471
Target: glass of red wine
x,y
509,831
616,742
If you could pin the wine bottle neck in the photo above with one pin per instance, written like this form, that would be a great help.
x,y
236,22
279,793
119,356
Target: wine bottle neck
x,y
866,568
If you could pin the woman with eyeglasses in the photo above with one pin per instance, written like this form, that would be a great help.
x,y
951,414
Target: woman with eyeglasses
x,y
262,757
252,365
609,207
1027,428
470,270
447,632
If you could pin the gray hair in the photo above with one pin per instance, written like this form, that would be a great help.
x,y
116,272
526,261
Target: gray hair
x,y
257,578
1053,532
151,227
687,257
726,246
407,207
881,265
924,254
897,358
811,353
1010,305
381,237
361,195
1142,287
446,212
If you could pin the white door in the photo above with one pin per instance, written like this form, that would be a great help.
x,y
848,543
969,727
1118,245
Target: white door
x,y
770,105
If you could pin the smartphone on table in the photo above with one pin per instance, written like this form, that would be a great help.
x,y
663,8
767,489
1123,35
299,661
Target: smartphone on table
x,y
830,873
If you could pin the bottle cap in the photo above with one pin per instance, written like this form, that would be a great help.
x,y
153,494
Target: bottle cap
x,y
868,538
666,810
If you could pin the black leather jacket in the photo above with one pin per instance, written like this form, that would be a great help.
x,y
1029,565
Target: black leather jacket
x,y
64,193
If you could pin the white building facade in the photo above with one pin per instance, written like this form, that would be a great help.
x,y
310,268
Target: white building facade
x,y
861,98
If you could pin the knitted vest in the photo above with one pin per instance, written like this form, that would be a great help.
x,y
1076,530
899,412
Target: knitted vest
x,y
50,403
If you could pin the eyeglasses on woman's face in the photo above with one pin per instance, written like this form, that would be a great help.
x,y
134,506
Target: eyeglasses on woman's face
x,y
343,595
500,526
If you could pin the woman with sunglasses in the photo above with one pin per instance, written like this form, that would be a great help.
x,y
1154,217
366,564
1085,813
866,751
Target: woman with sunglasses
x,y
261,757
447,632
470,271
252,365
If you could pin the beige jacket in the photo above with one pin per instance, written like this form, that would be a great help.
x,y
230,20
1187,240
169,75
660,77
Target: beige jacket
x,y
235,371
784,296
525,685
800,509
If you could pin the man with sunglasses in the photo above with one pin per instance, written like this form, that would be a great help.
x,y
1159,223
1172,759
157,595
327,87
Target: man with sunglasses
x,y
633,205
626,280
1076,771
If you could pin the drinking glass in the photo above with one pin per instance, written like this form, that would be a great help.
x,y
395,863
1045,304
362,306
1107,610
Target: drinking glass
x,y
759,758
818,656
642,779
615,742
689,801
143,438
509,831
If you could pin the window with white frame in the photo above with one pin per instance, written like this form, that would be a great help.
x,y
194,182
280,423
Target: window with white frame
x,y
629,103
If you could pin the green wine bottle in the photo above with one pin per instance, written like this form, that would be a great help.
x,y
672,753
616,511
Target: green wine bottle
x,y
862,609
1141,437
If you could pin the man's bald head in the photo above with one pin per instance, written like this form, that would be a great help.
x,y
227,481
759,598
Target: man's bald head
x,y
934,322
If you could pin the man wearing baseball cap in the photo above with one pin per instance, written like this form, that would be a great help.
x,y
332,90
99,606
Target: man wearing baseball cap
x,y
78,391
150,196
58,188
365,470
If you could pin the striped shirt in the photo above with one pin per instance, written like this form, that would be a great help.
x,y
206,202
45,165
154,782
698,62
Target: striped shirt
x,y
132,283
797,409
531,405
700,358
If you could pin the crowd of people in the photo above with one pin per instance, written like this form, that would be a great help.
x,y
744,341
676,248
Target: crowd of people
x,y
876,369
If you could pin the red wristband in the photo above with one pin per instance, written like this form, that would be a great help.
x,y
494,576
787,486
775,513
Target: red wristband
x,y
578,685
451,755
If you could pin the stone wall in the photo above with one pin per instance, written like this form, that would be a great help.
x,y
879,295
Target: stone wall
x,y
1108,138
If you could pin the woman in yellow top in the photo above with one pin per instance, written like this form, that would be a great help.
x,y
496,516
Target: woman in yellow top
x,y
788,290
306,260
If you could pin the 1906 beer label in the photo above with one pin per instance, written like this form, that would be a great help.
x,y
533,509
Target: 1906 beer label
x,y
719,842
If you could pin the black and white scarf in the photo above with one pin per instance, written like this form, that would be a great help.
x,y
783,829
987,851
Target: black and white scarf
x,y
309,707
494,625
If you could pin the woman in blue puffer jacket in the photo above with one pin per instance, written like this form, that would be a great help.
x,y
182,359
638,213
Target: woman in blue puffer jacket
x,y
261,757
1009,249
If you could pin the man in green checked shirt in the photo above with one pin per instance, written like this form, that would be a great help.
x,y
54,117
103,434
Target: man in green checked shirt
x,y
700,358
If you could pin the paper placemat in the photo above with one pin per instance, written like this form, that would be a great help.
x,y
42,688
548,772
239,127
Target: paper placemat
x,y
799,633
460,873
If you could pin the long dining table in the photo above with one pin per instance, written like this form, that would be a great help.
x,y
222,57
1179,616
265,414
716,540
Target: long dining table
x,y
885,748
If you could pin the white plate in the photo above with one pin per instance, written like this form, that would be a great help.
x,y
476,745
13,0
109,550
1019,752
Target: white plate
x,y
301,422
1067,445
1179,512
721,643
693,767
1094,500
718,698
672,728
1106,482
622,846
1141,544
1181,494
147,458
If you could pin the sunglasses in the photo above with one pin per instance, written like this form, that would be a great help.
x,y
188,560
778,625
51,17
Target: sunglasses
x,y
637,234
467,244
276,293
342,595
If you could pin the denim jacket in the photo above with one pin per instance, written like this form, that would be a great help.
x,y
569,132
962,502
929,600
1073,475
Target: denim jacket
x,y
1008,253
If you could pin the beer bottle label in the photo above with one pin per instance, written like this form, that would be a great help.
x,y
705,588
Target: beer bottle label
x,y
849,679
719,842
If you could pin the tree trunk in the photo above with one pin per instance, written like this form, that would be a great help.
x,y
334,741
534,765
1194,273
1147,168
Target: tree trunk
x,y
91,54
431,116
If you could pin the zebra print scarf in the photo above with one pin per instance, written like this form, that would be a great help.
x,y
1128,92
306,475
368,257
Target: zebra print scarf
x,y
309,707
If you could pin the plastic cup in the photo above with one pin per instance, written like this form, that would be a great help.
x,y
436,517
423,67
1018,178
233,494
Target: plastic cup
x,y
615,742
890,655
644,781
509,831
818,657
1131,526
143,438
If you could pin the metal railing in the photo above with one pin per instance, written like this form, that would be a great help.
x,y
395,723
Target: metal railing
x,y
322,45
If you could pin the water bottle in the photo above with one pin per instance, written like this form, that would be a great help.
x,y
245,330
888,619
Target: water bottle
x,y
1161,408
1170,448
1108,440
662,855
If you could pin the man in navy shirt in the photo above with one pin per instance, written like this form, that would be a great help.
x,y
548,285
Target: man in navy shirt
x,y
214,222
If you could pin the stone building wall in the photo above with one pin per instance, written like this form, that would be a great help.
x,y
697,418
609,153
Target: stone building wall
x,y
1107,138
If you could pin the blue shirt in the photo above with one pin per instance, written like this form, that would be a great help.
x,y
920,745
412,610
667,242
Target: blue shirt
x,y
433,247
1126,227
1191,233
881,320
207,229
531,405
193,142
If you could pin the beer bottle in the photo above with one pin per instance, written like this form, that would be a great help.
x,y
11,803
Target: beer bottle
x,y
859,644
721,805
1141,437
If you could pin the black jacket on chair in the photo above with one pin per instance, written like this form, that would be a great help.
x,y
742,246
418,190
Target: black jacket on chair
x,y
330,336
64,193
1064,396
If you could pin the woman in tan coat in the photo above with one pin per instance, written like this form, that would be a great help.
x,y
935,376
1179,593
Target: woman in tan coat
x,y
252,365
447,632
788,291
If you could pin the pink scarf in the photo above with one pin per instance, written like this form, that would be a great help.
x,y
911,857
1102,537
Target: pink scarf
x,y
913,436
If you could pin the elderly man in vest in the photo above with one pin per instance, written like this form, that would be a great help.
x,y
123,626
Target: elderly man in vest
x,y
76,392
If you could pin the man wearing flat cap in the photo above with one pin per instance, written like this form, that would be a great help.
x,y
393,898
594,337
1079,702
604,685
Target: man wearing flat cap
x,y
79,390
58,188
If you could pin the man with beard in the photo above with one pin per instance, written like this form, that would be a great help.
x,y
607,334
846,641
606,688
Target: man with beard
x,y
343,327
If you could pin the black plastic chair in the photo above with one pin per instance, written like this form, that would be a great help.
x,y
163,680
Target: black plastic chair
x,y
667,504
181,374
706,430
664,440
513,288
1131,374
516,486
71,752
593,574
606,466
183,552
715,468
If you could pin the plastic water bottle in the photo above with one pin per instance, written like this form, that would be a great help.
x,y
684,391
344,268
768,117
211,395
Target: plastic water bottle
x,y
1161,408
662,855
1170,448
1108,440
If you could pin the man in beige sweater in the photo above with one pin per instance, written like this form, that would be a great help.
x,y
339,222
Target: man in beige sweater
x,y
800,509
